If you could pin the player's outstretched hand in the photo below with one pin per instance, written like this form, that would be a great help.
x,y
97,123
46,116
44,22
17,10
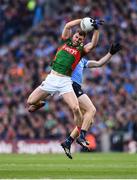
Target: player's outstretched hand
x,y
96,23
115,48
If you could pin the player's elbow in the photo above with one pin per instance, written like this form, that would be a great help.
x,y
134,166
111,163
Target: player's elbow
x,y
99,65
96,65
89,48
67,26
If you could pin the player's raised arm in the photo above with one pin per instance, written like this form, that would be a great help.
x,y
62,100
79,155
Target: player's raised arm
x,y
88,47
67,29
113,49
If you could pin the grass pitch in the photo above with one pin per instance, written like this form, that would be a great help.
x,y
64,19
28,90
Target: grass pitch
x,y
83,166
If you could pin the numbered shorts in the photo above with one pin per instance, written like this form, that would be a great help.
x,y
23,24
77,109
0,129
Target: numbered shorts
x,y
57,84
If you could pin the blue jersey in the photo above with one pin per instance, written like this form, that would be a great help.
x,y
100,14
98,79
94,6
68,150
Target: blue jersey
x,y
77,75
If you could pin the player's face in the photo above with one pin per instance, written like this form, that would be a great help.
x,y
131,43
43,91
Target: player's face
x,y
77,39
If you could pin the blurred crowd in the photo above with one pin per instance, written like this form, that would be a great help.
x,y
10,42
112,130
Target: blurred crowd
x,y
30,32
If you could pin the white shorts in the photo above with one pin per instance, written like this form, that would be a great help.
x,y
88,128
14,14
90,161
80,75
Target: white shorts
x,y
57,84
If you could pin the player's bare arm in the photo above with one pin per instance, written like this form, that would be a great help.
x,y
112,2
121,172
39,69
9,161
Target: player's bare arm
x,y
114,49
67,29
95,23
88,47
99,63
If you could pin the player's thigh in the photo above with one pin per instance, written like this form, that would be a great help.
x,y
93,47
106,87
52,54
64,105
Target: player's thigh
x,y
37,95
71,99
85,103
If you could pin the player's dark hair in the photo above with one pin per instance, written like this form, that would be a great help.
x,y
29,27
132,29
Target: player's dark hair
x,y
81,33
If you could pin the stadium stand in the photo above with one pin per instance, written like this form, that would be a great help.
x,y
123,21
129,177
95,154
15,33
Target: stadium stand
x,y
30,33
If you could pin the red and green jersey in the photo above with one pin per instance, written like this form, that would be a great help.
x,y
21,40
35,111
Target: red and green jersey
x,y
67,57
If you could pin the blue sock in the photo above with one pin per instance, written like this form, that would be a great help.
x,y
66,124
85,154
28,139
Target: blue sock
x,y
69,141
83,133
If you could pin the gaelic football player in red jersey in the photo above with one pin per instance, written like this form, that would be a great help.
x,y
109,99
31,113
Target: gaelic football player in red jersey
x,y
59,80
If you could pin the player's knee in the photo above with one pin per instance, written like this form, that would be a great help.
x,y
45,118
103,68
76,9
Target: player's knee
x,y
30,101
78,114
30,108
76,109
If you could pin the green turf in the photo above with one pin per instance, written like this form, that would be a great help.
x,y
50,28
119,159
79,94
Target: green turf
x,y
83,166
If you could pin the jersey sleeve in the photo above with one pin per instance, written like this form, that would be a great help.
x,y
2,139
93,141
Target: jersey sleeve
x,y
85,62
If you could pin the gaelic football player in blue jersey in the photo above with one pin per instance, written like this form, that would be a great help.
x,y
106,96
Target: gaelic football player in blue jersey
x,y
84,101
